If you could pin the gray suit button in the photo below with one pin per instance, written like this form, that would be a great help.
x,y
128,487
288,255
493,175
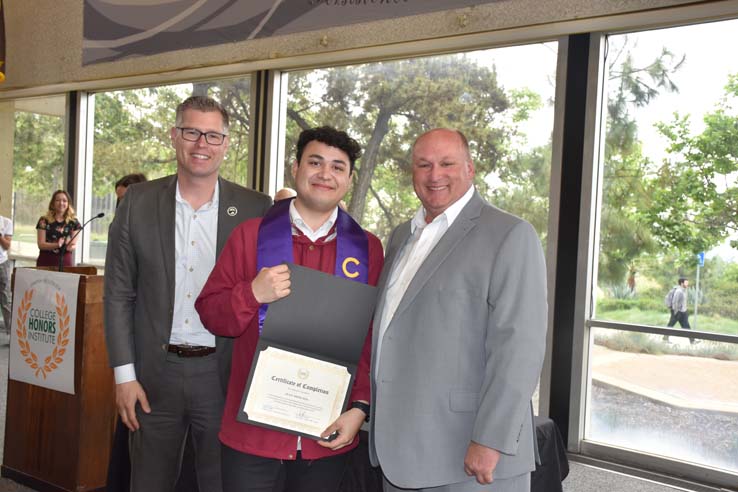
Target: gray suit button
x,y
164,347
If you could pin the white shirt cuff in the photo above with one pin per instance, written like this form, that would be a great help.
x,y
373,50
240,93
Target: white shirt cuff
x,y
125,373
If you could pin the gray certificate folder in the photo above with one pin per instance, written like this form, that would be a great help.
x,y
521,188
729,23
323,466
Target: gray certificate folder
x,y
324,317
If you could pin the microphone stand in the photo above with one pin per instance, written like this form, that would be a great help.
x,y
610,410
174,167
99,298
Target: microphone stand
x,y
63,247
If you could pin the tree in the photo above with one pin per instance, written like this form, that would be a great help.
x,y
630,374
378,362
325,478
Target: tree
x,y
387,105
694,193
132,135
524,187
132,130
624,234
38,153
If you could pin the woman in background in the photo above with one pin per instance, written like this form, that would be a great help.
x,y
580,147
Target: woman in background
x,y
56,229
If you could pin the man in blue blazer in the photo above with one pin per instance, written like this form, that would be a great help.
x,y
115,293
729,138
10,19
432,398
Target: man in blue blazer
x,y
459,336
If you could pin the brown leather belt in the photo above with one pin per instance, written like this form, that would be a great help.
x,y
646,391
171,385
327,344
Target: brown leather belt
x,y
190,350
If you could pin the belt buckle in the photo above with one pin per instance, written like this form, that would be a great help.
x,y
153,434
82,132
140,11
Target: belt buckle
x,y
181,350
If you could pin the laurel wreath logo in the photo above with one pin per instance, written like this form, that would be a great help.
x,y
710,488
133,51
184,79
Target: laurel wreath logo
x,y
57,355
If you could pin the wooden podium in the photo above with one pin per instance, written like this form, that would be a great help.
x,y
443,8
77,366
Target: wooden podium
x,y
55,441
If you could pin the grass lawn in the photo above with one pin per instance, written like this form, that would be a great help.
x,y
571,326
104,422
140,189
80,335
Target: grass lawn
x,y
660,318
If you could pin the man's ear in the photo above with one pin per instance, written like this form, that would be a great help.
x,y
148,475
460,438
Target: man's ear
x,y
295,164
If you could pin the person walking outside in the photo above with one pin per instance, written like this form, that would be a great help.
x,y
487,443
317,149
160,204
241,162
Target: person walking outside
x,y
678,307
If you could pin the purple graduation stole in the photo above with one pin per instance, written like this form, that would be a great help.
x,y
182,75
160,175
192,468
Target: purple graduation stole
x,y
274,246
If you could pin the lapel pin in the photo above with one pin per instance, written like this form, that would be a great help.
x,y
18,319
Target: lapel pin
x,y
232,211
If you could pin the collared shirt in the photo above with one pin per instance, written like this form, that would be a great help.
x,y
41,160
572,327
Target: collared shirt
x,y
423,238
194,244
195,237
6,229
299,224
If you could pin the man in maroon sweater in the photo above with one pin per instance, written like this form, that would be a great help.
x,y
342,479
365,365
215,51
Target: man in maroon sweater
x,y
250,274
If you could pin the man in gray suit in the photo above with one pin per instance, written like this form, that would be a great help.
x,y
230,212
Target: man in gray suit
x,y
171,373
459,336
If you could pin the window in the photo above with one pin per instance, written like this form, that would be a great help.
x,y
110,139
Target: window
x,y
131,135
37,136
662,401
669,195
505,110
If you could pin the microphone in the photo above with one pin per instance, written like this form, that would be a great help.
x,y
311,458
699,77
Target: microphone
x,y
63,248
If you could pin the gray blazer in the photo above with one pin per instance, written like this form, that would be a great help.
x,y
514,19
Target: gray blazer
x,y
462,355
139,272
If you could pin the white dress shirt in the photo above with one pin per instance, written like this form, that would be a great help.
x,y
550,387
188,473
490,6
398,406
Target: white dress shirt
x,y
195,237
423,238
6,229
313,235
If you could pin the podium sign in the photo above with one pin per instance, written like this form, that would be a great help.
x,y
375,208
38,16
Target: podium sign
x,y
43,329
57,440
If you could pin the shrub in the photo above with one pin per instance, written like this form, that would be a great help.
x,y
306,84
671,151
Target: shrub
x,y
643,343
650,302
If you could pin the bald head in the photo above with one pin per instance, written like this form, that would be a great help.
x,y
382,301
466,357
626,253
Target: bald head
x,y
448,133
284,193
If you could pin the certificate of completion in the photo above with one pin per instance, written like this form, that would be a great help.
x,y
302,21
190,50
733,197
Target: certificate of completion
x,y
295,392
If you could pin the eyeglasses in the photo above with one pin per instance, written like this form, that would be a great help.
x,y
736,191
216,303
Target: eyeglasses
x,y
193,135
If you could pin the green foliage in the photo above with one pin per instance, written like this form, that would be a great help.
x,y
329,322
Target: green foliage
x,y
624,235
718,287
38,155
386,105
721,294
653,302
648,309
131,135
132,130
693,202
622,292
655,218
524,192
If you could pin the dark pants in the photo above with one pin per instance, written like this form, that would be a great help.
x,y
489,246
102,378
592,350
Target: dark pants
x,y
683,318
119,467
187,399
248,473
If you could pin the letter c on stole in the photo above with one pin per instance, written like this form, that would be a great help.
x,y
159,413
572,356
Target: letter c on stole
x,y
348,260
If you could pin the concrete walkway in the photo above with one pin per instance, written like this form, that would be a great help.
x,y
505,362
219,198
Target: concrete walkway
x,y
678,380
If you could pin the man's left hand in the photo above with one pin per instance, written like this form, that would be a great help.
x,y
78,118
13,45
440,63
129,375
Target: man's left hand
x,y
481,461
347,425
